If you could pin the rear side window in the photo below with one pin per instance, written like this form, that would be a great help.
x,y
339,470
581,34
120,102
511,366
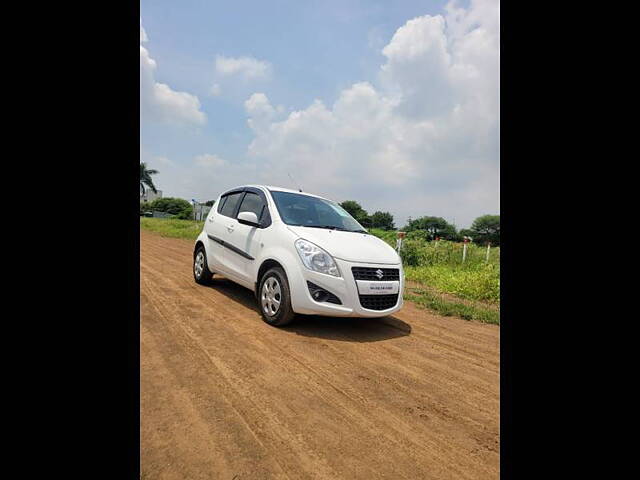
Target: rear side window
x,y
252,203
228,204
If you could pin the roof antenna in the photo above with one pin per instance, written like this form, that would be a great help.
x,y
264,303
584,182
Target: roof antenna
x,y
294,182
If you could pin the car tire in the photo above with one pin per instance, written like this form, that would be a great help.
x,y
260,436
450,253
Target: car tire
x,y
274,298
201,272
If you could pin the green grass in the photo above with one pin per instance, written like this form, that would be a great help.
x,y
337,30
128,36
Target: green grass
x,y
438,267
449,307
172,227
472,282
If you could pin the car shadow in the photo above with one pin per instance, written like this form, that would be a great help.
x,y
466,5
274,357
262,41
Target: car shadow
x,y
344,329
349,329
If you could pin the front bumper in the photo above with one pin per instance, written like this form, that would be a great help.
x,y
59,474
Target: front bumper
x,y
344,288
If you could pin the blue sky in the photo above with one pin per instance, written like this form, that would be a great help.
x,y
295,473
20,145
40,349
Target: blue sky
x,y
247,92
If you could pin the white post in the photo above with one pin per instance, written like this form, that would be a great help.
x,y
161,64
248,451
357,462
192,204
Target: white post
x,y
488,249
399,241
464,249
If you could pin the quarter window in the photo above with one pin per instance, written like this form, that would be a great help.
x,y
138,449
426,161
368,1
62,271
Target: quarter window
x,y
221,204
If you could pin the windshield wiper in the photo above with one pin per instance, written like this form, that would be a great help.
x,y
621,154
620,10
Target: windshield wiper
x,y
328,227
333,227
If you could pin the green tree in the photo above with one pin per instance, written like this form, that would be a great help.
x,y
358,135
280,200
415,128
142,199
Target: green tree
x,y
357,212
145,178
174,206
209,203
383,220
486,228
434,226
466,232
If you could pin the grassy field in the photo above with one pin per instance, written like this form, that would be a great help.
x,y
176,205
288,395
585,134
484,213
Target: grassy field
x,y
448,306
170,227
439,279
472,287
440,265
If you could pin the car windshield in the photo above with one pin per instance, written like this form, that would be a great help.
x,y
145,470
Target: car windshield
x,y
307,211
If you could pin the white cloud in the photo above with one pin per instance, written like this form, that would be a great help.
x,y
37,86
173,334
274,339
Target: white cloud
x,y
417,67
425,141
260,111
164,161
158,101
209,161
247,68
143,34
204,177
216,90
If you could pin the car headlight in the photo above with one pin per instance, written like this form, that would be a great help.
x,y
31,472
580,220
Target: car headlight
x,y
316,259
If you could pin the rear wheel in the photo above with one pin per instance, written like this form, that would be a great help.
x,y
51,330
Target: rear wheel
x,y
274,299
201,272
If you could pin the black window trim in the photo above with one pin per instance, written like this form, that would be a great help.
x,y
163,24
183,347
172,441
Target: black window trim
x,y
244,190
223,200
245,196
224,197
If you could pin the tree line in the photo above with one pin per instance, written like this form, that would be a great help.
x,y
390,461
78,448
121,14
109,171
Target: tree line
x,y
484,229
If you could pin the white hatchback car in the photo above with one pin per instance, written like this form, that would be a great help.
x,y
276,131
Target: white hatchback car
x,y
299,253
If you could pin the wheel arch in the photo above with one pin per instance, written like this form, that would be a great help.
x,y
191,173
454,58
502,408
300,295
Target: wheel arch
x,y
264,266
199,243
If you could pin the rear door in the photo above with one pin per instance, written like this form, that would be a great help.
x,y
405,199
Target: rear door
x,y
220,220
242,242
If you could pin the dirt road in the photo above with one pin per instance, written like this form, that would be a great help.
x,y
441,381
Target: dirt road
x,y
225,396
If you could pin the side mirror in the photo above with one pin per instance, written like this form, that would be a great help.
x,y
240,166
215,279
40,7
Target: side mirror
x,y
248,218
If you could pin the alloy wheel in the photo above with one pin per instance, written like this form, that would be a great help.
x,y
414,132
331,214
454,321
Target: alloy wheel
x,y
271,296
198,265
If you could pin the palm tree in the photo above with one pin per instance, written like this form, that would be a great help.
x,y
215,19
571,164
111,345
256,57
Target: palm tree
x,y
145,178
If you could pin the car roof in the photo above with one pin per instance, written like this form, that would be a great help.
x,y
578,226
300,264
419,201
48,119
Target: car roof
x,y
282,189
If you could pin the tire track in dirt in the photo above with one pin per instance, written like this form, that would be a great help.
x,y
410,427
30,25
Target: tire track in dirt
x,y
334,386
474,378
415,395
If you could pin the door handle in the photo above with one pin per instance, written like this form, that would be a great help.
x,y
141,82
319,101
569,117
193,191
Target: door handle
x,y
230,228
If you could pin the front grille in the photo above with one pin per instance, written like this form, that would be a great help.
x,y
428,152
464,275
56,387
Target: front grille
x,y
370,273
379,302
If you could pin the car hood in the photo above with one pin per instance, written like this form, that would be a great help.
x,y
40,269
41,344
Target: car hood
x,y
350,246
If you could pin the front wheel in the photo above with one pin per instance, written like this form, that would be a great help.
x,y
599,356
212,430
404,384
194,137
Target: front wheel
x,y
274,299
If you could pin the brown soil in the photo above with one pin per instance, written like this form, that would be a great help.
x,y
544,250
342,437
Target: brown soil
x,y
226,396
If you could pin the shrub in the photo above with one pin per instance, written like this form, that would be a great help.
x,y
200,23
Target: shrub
x,y
410,253
175,206
418,235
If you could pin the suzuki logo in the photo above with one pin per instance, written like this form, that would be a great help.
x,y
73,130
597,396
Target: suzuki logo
x,y
379,274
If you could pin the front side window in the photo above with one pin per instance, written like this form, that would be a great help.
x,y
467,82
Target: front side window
x,y
252,203
306,211
228,204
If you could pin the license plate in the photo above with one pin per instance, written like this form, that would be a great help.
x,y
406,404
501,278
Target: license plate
x,y
366,287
